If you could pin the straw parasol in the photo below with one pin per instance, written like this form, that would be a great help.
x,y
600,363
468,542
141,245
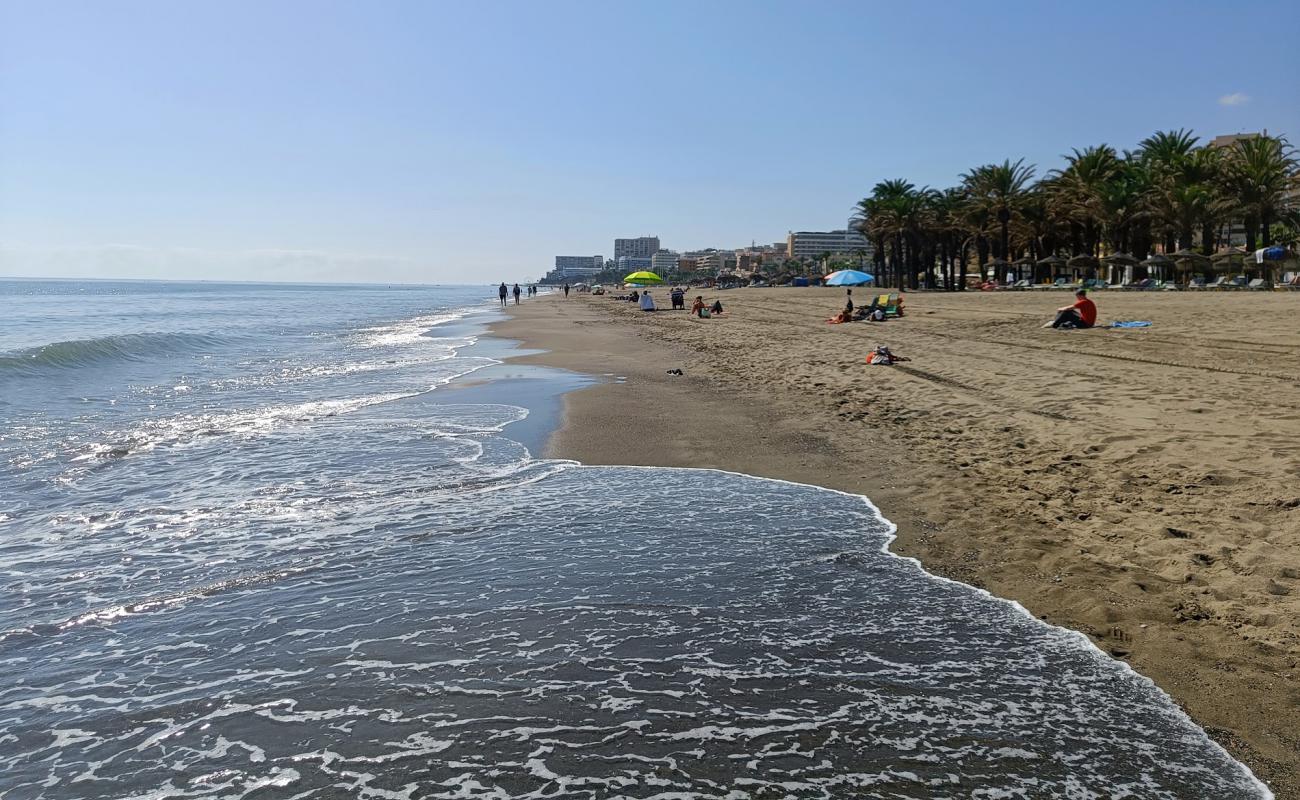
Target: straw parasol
x,y
1051,261
1231,256
1121,258
1190,260
1081,261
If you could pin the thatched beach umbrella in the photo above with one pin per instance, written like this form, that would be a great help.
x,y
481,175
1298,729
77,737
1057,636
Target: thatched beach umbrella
x,y
1190,260
1121,260
1051,262
1157,263
1084,262
1230,258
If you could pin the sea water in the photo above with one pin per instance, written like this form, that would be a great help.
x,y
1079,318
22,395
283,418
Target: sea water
x,y
258,541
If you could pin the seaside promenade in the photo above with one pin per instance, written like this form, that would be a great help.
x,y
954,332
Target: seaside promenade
x,y
1140,486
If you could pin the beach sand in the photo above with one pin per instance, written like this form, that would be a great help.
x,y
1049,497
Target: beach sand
x,y
1141,486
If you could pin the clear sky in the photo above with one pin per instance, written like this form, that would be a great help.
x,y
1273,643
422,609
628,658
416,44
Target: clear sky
x,y
471,142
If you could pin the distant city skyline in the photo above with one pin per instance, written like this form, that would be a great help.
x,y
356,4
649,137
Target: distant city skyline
x,y
463,143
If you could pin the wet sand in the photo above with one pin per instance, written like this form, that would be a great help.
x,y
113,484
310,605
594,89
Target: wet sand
x,y
1141,486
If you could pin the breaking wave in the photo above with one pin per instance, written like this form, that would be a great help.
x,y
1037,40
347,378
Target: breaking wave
x,y
79,353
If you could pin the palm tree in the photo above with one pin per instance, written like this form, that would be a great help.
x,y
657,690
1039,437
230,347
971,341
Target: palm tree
x,y
1259,171
1001,187
1080,191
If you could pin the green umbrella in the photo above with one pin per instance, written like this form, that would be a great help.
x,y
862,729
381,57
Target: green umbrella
x,y
642,277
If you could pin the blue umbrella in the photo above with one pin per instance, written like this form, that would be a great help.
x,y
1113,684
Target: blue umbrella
x,y
848,277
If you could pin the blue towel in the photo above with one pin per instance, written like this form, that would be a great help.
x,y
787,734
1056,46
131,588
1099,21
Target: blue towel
x,y
1130,324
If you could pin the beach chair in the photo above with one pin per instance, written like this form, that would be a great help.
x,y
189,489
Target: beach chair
x,y
1061,283
1022,284
892,306
864,312
1257,284
1196,283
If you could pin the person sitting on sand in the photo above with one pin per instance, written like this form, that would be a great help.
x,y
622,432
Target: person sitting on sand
x,y
1083,314
678,296
848,300
717,307
647,302
882,357
697,308
635,297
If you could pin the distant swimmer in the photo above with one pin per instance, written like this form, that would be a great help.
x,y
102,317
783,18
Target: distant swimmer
x,y
502,291
516,294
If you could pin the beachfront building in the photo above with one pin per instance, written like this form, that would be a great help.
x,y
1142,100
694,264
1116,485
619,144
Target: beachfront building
x,y
628,264
578,266
663,263
640,247
753,257
815,244
715,261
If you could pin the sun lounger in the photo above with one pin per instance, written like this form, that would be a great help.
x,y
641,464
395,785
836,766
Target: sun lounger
x,y
891,307
1259,283
1196,283
1022,284
864,312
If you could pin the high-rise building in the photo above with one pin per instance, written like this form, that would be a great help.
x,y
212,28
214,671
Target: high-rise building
x,y
640,247
578,265
812,244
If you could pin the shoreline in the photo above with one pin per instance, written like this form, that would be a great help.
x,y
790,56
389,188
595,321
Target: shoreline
x,y
764,395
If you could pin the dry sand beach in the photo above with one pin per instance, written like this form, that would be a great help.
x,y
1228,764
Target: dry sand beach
x,y
1141,486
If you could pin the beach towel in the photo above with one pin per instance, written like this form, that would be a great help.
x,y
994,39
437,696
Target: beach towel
x,y
1131,324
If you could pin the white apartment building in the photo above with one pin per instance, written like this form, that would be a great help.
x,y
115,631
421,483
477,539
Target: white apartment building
x,y
813,244
640,247
574,266
663,262
627,264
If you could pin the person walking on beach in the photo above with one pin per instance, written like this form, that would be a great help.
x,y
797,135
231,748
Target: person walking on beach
x,y
516,294
502,291
1083,314
566,290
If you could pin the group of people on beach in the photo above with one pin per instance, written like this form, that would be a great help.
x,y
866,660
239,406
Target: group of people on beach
x,y
503,292
677,296
1082,313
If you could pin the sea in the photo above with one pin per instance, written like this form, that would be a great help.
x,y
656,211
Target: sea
x,y
298,541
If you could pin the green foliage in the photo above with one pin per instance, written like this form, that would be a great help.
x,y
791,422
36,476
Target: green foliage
x,y
1171,190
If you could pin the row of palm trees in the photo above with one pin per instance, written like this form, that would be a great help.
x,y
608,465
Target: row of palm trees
x,y
1170,194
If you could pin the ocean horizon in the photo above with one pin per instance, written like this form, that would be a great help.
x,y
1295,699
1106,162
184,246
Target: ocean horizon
x,y
295,540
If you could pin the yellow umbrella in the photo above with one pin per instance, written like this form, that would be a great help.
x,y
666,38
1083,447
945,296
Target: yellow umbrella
x,y
642,277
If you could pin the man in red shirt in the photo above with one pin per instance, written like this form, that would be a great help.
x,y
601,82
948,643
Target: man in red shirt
x,y
1083,314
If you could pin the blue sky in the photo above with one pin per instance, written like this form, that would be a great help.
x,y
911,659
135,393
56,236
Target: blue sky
x,y
472,142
